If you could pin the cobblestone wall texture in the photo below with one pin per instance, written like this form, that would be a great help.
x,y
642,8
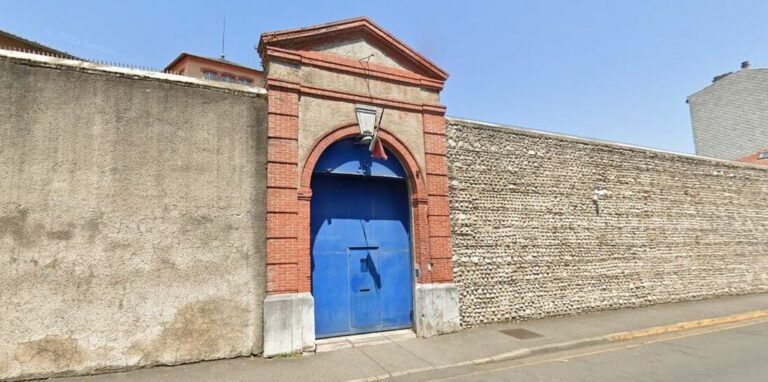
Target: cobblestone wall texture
x,y
545,225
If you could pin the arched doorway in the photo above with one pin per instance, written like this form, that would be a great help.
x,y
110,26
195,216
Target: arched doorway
x,y
362,262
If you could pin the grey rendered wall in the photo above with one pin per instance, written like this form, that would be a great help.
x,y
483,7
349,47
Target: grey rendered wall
x,y
730,117
546,225
131,221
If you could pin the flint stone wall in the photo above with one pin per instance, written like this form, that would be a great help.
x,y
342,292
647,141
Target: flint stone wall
x,y
131,219
546,225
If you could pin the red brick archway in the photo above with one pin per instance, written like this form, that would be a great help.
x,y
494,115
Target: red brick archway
x,y
418,201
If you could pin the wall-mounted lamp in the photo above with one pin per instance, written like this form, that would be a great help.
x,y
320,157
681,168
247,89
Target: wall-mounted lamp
x,y
366,120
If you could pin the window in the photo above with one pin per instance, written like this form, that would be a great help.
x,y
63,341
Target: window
x,y
210,75
227,78
762,155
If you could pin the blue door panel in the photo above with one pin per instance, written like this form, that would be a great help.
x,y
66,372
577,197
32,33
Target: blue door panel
x,y
396,266
340,218
391,235
330,293
361,250
364,288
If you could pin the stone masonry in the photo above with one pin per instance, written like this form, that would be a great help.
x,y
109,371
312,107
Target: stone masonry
x,y
546,225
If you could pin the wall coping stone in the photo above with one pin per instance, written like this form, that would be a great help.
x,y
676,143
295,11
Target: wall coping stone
x,y
465,122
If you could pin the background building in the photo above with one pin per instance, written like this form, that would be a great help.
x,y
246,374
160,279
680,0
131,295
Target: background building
x,y
217,69
758,157
13,42
730,116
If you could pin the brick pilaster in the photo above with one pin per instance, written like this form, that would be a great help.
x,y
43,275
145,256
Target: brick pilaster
x,y
421,238
437,194
304,270
282,181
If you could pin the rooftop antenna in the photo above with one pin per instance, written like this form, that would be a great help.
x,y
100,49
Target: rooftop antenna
x,y
223,33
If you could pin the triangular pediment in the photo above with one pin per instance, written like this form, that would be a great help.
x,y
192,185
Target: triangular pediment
x,y
360,47
355,39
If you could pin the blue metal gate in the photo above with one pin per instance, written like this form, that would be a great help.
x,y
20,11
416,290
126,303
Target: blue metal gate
x,y
361,247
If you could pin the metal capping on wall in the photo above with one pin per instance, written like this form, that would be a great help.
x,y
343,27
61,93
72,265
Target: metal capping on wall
x,y
98,62
124,69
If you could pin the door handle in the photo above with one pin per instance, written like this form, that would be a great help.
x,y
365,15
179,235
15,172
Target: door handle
x,y
365,290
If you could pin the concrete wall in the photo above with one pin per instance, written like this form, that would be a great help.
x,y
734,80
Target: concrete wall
x,y
546,225
730,117
131,219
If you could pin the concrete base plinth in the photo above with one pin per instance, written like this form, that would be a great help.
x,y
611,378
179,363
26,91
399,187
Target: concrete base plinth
x,y
289,324
436,309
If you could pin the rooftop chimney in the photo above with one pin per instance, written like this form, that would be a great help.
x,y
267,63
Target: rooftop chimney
x,y
720,77
745,65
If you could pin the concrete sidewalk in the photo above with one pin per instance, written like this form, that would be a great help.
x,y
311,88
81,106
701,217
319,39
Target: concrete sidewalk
x,y
374,358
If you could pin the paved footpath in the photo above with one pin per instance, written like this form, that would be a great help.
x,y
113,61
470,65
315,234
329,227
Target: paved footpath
x,y
400,358
733,352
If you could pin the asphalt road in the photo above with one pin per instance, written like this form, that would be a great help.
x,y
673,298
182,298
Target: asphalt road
x,y
737,353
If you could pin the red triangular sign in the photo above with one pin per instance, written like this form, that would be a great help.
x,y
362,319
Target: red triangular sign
x,y
378,150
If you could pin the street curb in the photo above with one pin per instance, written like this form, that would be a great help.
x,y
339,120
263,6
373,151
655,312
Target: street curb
x,y
581,343
687,325
628,335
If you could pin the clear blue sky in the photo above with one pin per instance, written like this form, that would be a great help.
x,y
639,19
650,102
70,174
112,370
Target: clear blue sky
x,y
614,70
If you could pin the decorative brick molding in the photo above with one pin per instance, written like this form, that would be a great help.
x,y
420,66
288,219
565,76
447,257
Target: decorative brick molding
x,y
408,161
288,196
420,206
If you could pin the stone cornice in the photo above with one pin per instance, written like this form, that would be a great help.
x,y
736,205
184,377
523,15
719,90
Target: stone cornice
x,y
273,83
349,66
